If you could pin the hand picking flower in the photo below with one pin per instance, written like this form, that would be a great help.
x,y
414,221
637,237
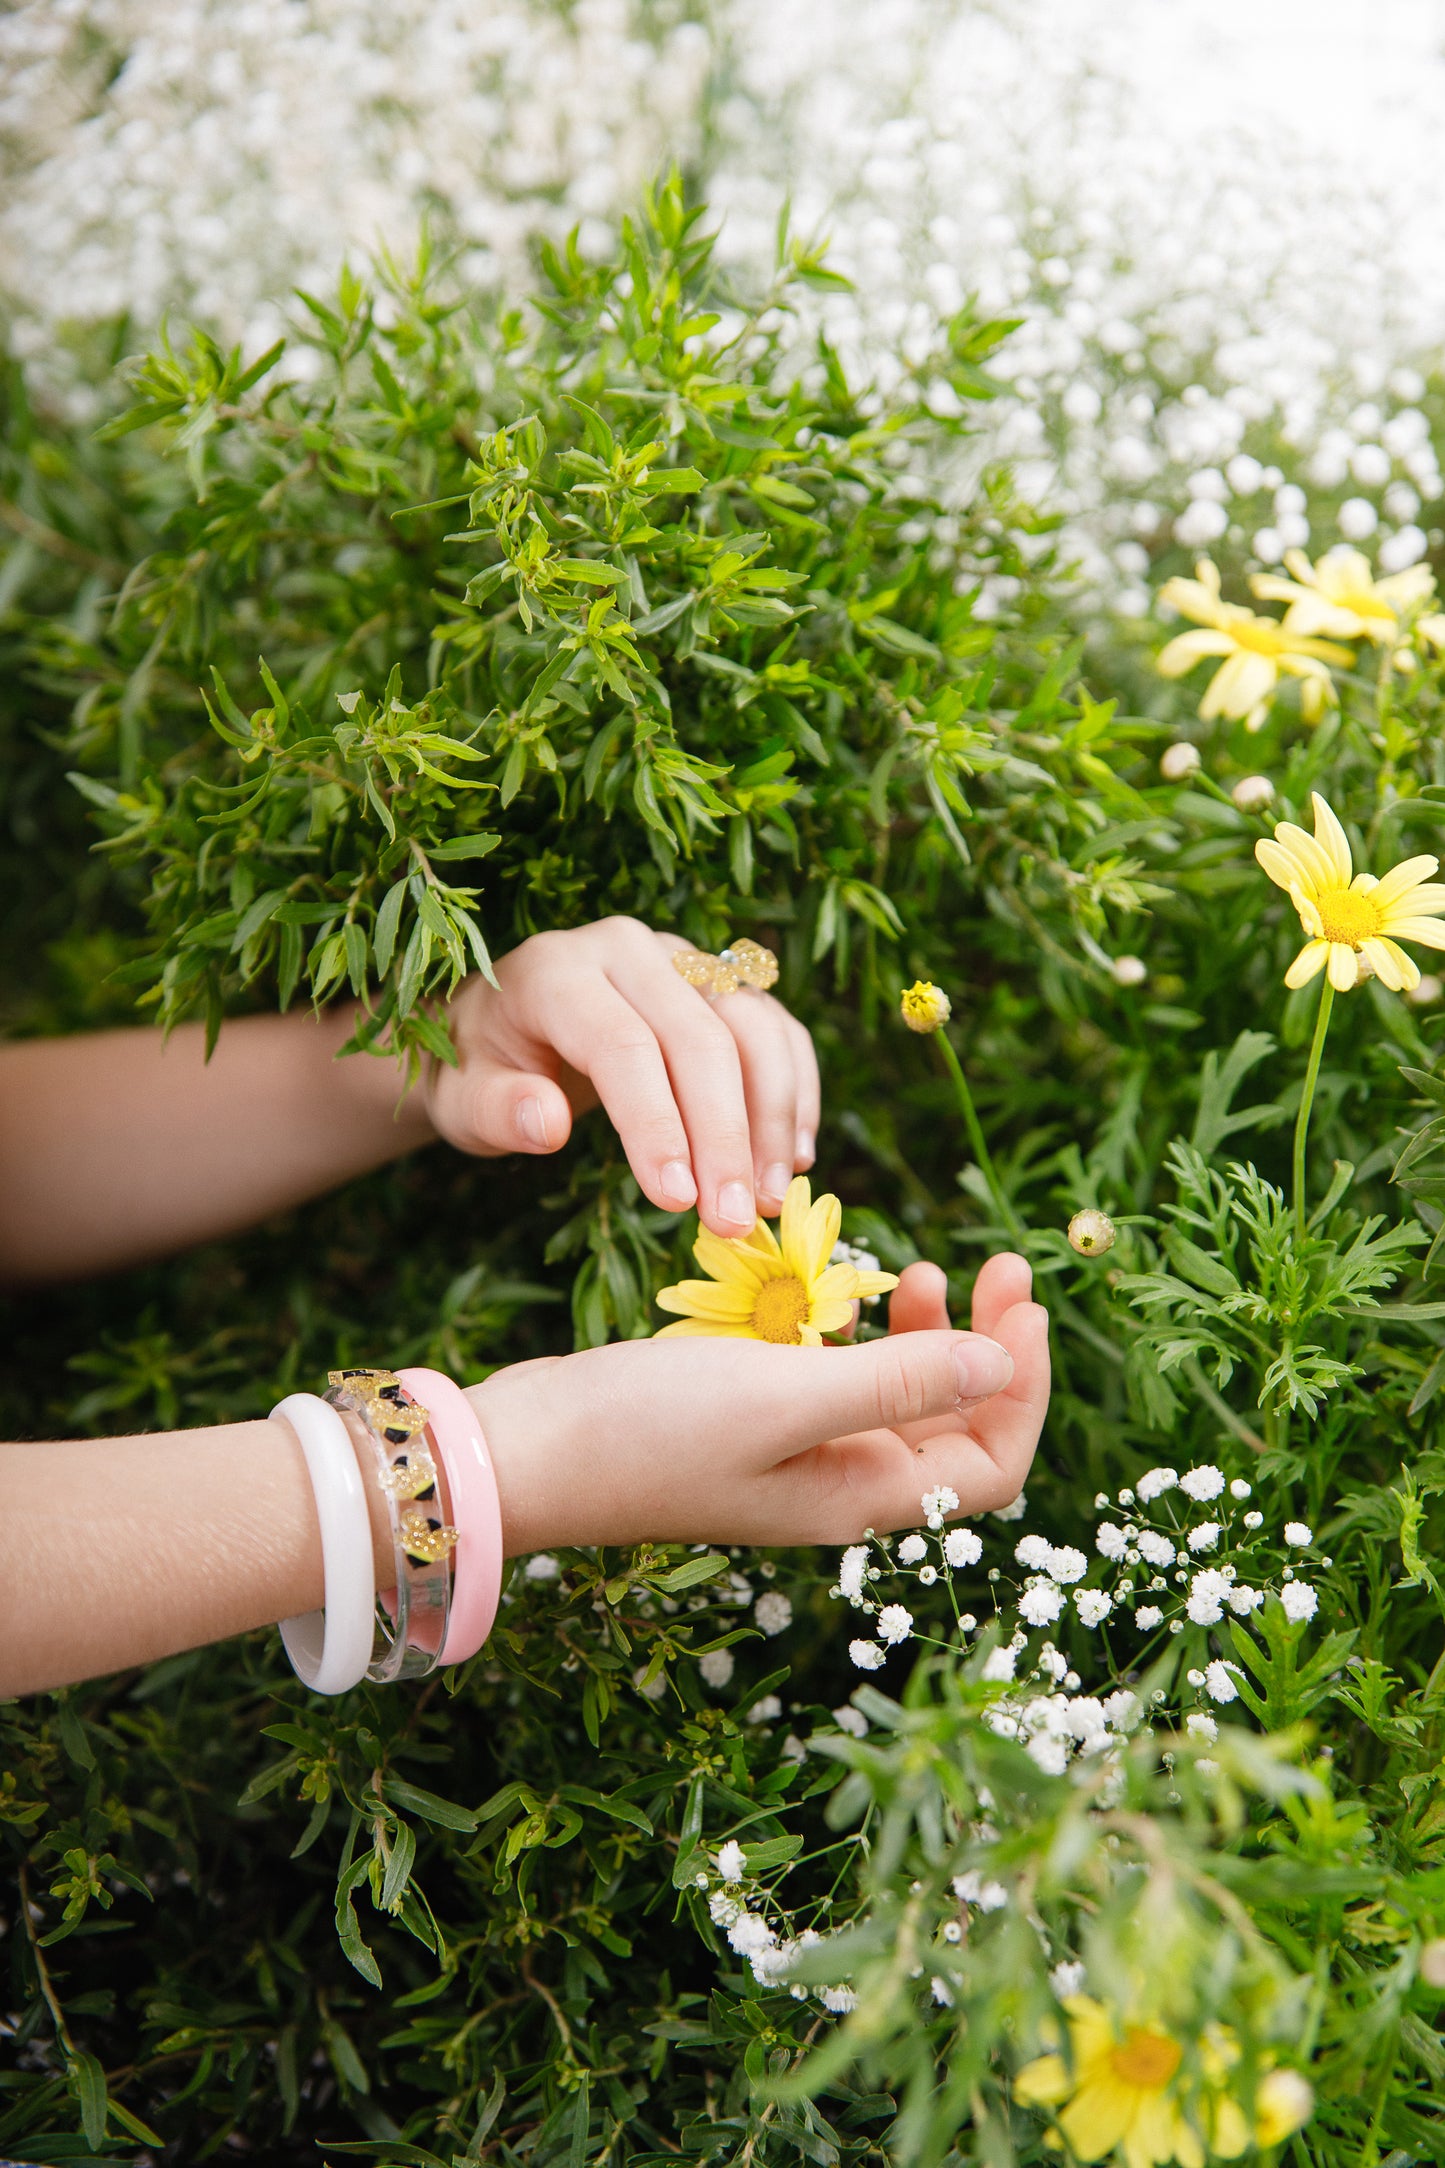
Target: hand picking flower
x,y
1349,915
1256,650
774,1287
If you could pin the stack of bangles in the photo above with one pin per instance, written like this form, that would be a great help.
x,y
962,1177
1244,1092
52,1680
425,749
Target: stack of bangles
x,y
434,1472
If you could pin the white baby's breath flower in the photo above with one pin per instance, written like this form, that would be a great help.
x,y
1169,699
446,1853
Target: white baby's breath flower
x,y
1156,1548
1093,1605
942,1992
729,1861
911,1549
1041,1603
1297,1535
1013,1511
852,1571
961,1547
973,1888
999,1665
1155,1483
1067,1979
1299,1600
851,1720
928,1575
867,1655
941,1501
1050,1754
1201,1726
773,1612
1207,1592
1219,1681
1109,1541
1206,1536
1243,1599
840,2000
1148,1616
1254,1520
1239,1488
1065,1564
895,1623
1202,1484
542,1567
765,1711
716,1667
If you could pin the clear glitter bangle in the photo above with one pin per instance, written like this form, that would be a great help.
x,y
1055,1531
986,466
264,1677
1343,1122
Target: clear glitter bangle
x,y
411,1620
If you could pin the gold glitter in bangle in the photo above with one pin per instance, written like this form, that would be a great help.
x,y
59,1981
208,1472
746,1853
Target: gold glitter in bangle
x,y
424,1538
382,1402
744,963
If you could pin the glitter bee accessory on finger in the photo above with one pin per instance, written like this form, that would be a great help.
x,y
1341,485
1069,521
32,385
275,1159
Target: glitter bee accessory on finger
x,y
412,1621
744,963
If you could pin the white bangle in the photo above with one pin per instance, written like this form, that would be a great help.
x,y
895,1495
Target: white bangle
x,y
331,1648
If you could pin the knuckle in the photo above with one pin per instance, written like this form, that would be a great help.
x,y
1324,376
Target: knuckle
x,y
901,1389
627,932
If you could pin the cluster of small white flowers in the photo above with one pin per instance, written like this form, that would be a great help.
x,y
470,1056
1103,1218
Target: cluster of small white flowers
x,y
1181,290
191,154
1155,1553
928,1557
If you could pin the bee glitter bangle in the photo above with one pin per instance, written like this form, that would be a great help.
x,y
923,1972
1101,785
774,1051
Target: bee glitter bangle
x,y
476,1508
412,1621
331,1648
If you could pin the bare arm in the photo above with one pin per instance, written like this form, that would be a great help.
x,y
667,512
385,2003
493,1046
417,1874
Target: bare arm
x,y
117,1551
120,1146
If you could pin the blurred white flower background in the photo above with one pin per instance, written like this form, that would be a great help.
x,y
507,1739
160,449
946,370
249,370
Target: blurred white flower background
x,y
1221,225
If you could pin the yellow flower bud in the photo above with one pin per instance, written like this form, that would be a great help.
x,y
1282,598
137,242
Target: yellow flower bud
x,y
1091,1233
925,1007
1284,2103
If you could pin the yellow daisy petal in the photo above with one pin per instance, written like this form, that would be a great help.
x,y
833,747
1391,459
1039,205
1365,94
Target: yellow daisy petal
x,y
739,1264
810,1336
1342,966
1042,2083
709,1298
1427,931
830,1316
1188,648
1409,873
1098,2116
1385,959
1309,960
876,1283
1332,840
703,1328
821,1230
796,1206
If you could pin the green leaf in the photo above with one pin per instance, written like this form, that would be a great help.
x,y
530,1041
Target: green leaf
x,y
91,2093
443,1812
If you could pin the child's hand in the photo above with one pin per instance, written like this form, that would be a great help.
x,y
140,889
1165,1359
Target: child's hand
x,y
736,1441
716,1102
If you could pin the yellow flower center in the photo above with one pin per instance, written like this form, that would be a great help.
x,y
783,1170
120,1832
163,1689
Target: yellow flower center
x,y
1348,917
782,1306
1147,2060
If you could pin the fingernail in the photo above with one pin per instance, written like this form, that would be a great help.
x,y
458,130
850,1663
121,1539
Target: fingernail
x,y
735,1203
775,1182
677,1184
981,1367
532,1122
806,1147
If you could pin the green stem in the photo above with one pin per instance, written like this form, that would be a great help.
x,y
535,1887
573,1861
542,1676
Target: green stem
x,y
1307,1100
974,1127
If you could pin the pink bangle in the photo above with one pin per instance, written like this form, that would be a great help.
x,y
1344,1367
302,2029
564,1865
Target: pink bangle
x,y
475,1509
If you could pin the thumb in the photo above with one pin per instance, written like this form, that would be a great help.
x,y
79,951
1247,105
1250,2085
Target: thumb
x,y
795,1398
488,1107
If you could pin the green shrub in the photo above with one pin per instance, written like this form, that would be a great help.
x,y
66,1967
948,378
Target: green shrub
x,y
442,627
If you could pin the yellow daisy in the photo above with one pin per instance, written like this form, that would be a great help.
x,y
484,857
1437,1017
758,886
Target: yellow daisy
x,y
1341,597
1255,650
1117,2094
774,1287
1350,915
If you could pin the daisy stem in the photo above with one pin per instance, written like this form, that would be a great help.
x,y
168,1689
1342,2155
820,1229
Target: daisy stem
x,y
974,1127
1307,1100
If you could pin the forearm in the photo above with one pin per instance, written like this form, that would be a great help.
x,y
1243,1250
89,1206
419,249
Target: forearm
x,y
116,1551
121,1146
